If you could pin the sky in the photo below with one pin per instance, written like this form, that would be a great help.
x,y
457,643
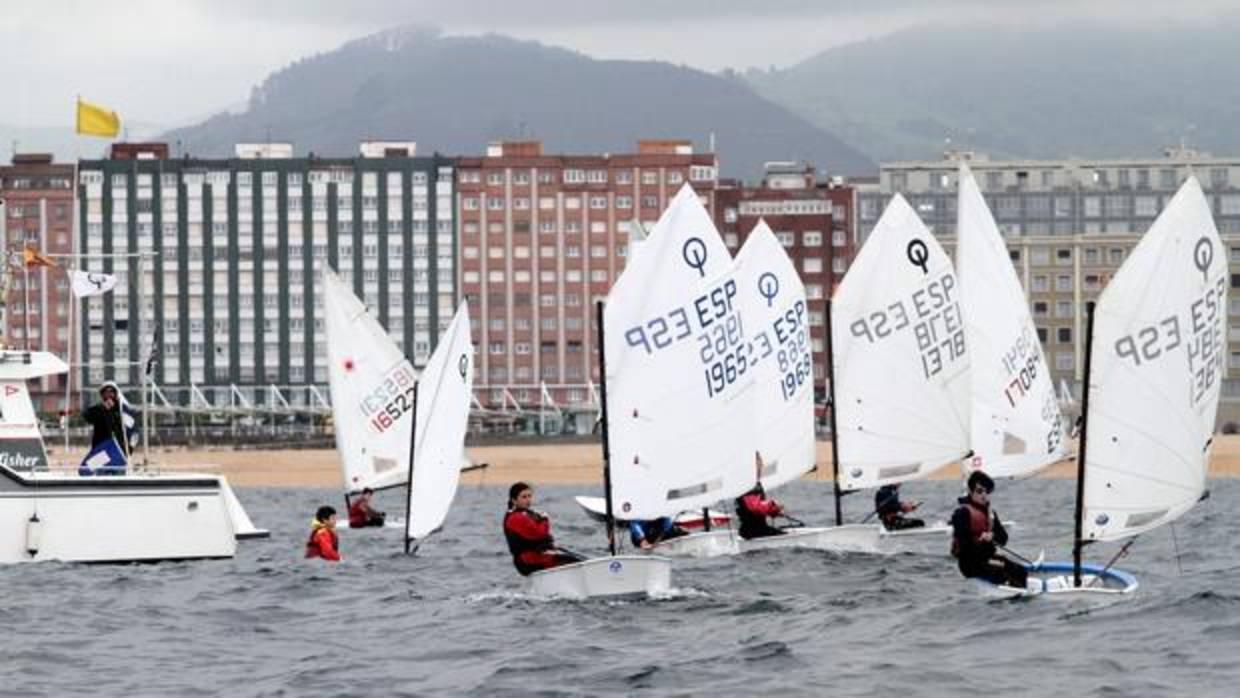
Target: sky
x,y
175,62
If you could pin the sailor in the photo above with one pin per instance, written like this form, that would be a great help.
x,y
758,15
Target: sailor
x,y
361,514
753,508
977,533
106,418
891,509
529,534
645,534
323,541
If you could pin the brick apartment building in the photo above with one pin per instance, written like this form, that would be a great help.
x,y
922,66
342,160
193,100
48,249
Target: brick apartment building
x,y
541,237
38,212
813,221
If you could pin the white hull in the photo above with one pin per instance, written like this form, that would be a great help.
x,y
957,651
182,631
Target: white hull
x,y
596,509
702,544
114,519
1056,580
622,575
858,538
934,539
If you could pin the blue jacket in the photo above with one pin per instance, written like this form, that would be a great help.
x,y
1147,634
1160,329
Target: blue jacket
x,y
652,530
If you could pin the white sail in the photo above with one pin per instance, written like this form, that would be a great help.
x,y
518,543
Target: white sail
x,y
777,325
901,365
371,389
444,393
1160,338
1015,422
677,360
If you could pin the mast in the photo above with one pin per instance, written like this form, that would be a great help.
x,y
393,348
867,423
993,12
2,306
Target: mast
x,y
413,436
835,444
1077,543
602,374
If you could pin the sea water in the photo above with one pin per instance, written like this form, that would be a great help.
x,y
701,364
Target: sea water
x,y
452,619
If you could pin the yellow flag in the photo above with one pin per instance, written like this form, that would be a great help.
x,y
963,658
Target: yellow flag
x,y
94,120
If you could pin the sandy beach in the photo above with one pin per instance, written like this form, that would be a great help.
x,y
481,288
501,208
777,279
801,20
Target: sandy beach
x,y
548,463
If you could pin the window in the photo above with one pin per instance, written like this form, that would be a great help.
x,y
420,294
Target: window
x,y
1039,308
812,265
1063,256
1040,283
1063,282
1115,255
811,238
1042,335
1063,309
786,239
839,238
1064,361
1063,335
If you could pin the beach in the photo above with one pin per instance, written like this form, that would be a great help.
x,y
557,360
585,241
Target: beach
x,y
542,462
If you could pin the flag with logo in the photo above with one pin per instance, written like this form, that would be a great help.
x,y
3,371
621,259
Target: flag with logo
x,y
33,258
94,120
87,283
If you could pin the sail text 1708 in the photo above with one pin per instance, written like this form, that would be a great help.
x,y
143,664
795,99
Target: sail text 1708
x,y
390,400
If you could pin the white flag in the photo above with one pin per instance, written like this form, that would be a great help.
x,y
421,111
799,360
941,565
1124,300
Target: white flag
x,y
87,283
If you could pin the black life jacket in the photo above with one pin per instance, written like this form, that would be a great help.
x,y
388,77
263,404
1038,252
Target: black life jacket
x,y
517,544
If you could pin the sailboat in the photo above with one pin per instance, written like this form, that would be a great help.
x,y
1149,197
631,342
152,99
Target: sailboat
x,y
1154,353
441,402
899,373
672,360
1016,426
372,386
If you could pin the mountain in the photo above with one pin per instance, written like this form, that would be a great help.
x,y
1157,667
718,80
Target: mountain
x,y
1051,90
455,94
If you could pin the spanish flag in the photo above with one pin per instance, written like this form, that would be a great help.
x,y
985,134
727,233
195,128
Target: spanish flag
x,y
34,258
94,120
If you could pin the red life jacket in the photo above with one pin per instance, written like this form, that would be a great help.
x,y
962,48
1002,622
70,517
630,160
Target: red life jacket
x,y
979,523
359,513
313,549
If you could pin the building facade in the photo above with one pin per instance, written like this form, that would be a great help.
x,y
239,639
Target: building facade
x,y
812,220
38,213
220,260
541,238
1069,225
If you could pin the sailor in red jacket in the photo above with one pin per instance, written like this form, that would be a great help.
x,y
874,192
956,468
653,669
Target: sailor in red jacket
x,y
753,508
361,514
323,541
528,533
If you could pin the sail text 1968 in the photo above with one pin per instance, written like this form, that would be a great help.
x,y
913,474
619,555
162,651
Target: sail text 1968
x,y
784,340
933,315
713,323
388,402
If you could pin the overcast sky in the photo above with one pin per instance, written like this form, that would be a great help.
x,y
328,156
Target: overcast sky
x,y
175,61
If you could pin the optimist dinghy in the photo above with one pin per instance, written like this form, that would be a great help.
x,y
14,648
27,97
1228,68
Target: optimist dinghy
x,y
899,371
1153,375
372,386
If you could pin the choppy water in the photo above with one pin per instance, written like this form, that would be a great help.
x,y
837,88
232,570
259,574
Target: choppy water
x,y
451,620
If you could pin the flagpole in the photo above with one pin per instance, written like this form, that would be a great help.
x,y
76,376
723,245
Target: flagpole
x,y
26,304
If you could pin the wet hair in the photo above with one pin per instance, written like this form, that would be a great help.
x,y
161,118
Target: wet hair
x,y
980,478
324,513
515,491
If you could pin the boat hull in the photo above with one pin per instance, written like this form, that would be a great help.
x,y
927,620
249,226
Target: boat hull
x,y
700,544
596,509
621,575
1055,579
934,539
133,518
860,538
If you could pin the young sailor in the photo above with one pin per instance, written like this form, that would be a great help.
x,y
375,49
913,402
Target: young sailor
x,y
529,534
891,509
361,514
977,533
323,542
645,534
753,508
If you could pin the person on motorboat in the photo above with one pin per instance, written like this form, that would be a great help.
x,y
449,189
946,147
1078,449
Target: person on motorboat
x,y
754,508
323,542
977,535
891,509
362,514
109,446
528,533
646,534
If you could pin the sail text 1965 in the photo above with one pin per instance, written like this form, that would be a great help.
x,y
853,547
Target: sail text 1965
x,y
932,313
390,400
713,323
